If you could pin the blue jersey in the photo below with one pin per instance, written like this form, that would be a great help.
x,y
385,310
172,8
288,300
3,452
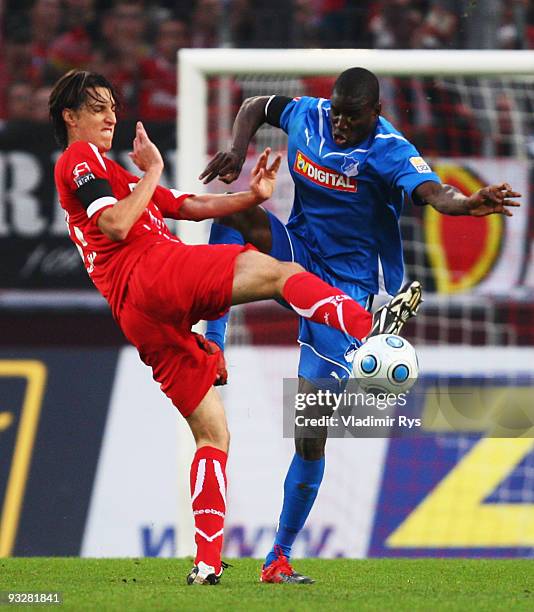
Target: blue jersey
x,y
348,201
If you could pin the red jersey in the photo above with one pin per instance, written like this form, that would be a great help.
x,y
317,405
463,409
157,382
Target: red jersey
x,y
87,183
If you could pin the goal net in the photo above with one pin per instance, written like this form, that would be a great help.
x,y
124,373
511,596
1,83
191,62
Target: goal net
x,y
471,115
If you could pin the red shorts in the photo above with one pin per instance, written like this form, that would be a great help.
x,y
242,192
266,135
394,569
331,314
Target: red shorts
x,y
171,288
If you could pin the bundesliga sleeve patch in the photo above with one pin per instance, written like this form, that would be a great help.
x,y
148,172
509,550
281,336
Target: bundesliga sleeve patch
x,y
82,174
420,165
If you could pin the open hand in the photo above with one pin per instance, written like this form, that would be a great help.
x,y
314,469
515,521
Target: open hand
x,y
263,178
225,165
493,199
145,154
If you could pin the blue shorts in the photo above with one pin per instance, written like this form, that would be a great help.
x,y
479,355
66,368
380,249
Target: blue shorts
x,y
325,352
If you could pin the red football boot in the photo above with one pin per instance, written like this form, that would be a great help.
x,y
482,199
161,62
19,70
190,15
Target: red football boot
x,y
280,570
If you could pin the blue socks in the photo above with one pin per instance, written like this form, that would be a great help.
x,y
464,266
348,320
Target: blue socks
x,y
221,234
300,490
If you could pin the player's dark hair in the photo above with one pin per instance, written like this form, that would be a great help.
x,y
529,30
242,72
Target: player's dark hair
x,y
72,91
360,84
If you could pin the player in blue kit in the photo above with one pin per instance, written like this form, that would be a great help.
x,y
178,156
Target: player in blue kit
x,y
353,172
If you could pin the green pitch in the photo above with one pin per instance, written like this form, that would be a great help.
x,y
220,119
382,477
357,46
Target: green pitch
x,y
380,584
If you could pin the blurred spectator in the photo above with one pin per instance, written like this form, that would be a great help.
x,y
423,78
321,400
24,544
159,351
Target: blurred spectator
x,y
242,23
439,27
504,132
3,70
18,56
19,101
206,23
45,21
306,20
344,23
47,37
405,102
481,22
529,25
512,29
129,20
3,89
40,104
454,130
157,97
73,48
395,25
121,49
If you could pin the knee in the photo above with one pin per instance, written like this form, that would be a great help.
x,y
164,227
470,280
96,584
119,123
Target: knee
x,y
284,271
208,422
292,268
253,226
222,440
218,437
244,222
235,221
225,441
310,449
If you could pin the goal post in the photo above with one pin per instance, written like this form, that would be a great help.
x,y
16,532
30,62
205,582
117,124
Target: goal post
x,y
495,70
196,65
474,307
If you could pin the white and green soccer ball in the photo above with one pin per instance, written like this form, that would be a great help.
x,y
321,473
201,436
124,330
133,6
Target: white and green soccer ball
x,y
386,363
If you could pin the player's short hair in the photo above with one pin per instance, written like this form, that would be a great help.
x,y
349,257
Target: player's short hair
x,y
72,91
360,84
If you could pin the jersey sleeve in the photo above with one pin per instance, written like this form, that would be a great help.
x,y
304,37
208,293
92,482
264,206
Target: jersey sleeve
x,y
404,168
85,174
169,201
274,108
285,111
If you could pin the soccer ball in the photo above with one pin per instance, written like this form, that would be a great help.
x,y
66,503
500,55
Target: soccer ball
x,y
386,364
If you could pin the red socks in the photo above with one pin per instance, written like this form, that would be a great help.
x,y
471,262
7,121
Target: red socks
x,y
312,298
208,498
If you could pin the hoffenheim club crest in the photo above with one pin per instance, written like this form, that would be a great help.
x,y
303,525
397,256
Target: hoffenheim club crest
x,y
350,166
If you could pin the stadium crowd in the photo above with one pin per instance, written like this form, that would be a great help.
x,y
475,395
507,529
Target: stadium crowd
x,y
134,42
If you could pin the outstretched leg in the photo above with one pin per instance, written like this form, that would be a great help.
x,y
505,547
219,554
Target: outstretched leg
x,y
260,277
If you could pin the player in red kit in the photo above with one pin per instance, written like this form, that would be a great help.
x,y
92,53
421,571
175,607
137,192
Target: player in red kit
x,y
158,287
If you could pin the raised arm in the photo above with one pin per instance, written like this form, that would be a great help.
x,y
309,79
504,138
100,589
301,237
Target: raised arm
x,y
493,199
208,206
117,220
227,165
